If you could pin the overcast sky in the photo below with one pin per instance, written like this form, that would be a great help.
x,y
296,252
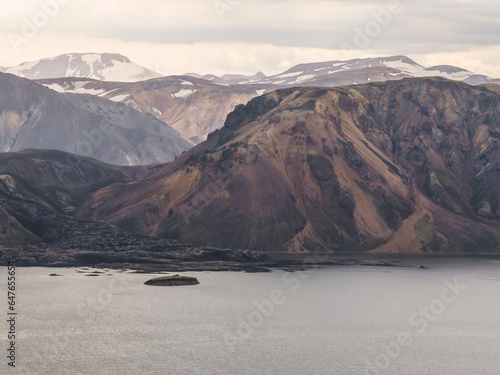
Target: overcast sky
x,y
244,36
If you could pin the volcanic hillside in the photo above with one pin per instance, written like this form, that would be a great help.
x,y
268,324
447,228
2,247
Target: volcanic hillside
x,y
406,166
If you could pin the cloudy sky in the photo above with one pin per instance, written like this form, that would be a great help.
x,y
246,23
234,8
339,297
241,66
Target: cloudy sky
x,y
244,36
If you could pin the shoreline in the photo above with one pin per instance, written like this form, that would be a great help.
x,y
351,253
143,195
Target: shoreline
x,y
275,261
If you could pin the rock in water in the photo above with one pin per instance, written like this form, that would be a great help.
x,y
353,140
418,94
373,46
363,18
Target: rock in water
x,y
172,281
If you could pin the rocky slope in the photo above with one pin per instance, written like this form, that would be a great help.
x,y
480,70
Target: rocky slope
x,y
40,192
405,166
32,116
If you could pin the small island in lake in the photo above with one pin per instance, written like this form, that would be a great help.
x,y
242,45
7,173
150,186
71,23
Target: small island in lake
x,y
172,281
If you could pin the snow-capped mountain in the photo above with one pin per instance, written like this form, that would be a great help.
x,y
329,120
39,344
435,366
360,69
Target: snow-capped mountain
x,y
351,72
101,66
196,105
357,71
479,79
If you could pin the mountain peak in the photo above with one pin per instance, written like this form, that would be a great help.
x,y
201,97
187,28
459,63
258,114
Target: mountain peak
x,y
100,66
105,57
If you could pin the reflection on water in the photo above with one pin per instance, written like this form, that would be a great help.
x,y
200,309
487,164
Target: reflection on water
x,y
345,320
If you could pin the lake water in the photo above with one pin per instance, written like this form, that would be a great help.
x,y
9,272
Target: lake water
x,y
344,320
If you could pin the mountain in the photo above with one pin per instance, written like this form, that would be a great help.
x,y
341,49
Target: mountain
x,y
231,79
207,77
32,116
479,79
240,78
35,184
351,72
40,191
192,106
196,105
359,71
101,66
400,166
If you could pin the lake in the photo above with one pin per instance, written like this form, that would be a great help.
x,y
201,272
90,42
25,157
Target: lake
x,y
443,320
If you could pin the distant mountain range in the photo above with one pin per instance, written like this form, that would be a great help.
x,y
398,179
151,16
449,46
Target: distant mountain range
x,y
193,105
359,71
32,116
196,105
102,66
118,68
231,79
351,72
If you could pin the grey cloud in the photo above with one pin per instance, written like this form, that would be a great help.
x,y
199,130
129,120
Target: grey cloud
x,y
438,21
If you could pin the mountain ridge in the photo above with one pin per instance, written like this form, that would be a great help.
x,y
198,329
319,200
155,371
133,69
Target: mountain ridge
x,y
32,116
192,106
196,105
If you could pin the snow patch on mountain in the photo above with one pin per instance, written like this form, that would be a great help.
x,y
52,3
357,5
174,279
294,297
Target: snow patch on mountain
x,y
119,98
404,66
184,93
288,75
303,78
78,88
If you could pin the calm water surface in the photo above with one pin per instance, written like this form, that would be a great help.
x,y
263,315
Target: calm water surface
x,y
444,320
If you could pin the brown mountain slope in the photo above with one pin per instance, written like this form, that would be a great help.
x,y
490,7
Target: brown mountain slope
x,y
40,192
404,166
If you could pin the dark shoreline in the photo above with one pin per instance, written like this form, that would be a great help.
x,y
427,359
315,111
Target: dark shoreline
x,y
279,261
